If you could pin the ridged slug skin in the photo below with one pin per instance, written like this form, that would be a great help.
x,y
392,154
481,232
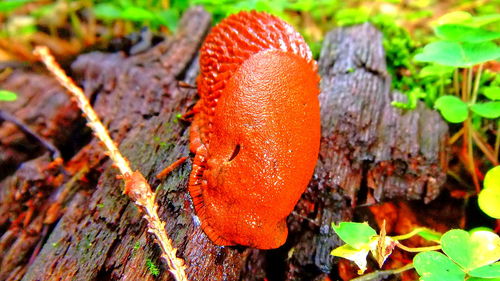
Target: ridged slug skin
x,y
256,131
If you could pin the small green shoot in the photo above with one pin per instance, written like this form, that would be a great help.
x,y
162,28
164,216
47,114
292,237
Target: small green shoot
x,y
489,197
360,240
413,96
137,245
7,95
152,268
178,117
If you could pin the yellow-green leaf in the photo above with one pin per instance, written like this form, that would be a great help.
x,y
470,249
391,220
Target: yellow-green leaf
x,y
492,178
352,254
471,251
355,234
7,95
489,110
489,202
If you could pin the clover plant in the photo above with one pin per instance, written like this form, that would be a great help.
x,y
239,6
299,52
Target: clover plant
x,y
458,255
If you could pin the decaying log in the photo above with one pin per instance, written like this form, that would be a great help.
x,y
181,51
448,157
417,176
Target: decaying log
x,y
84,228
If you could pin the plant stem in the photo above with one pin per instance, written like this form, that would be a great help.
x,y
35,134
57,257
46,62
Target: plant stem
x,y
466,93
497,141
476,84
470,152
458,179
410,234
485,148
383,274
456,136
464,84
418,249
469,83
455,82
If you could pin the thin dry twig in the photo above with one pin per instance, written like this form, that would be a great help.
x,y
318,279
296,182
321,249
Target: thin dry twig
x,y
136,186
170,168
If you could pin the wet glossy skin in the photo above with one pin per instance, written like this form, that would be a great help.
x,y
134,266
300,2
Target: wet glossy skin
x,y
256,135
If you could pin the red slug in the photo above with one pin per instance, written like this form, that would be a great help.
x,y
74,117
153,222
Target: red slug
x,y
256,129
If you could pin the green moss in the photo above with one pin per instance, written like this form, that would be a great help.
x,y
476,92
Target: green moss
x,y
152,268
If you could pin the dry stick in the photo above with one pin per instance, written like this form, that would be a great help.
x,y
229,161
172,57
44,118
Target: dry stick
x,y
136,186
49,146
170,168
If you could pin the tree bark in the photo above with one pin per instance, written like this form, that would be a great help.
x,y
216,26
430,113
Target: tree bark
x,y
77,225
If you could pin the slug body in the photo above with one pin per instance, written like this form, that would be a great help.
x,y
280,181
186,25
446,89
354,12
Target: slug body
x,y
256,130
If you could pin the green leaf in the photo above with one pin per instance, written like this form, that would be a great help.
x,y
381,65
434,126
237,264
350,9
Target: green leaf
x,y
492,178
435,70
7,95
484,20
430,235
482,279
464,18
454,17
133,13
107,11
169,18
453,109
457,32
489,110
480,228
487,271
458,54
471,251
434,266
10,5
352,254
489,202
351,16
355,234
492,92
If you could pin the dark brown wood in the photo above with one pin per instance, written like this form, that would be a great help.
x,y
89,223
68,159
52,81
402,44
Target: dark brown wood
x,y
84,228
